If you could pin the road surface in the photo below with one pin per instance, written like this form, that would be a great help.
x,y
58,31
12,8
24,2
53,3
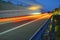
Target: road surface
x,y
24,31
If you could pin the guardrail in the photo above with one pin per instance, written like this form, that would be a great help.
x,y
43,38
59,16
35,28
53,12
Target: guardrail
x,y
45,32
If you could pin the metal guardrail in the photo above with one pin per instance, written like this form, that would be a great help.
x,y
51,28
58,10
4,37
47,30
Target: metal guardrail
x,y
45,32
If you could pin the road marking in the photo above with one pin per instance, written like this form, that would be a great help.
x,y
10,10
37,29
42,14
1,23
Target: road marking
x,y
4,32
37,30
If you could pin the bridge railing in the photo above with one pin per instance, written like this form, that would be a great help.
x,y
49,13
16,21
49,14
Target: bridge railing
x,y
45,32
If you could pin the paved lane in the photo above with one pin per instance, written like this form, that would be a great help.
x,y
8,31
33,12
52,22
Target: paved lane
x,y
26,31
23,33
9,25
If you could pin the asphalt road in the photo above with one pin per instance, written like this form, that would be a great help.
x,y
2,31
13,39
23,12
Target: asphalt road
x,y
23,33
8,25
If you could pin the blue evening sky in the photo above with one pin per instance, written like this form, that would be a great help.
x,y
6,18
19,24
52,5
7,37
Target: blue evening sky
x,y
48,5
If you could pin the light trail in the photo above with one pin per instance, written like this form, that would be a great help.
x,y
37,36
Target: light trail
x,y
17,19
39,17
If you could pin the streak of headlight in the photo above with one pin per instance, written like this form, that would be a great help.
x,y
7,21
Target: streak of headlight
x,y
17,19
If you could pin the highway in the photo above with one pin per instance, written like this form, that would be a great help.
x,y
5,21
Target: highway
x,y
22,30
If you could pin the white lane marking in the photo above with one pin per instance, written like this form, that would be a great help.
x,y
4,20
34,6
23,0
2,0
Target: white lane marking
x,y
37,30
17,27
20,26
